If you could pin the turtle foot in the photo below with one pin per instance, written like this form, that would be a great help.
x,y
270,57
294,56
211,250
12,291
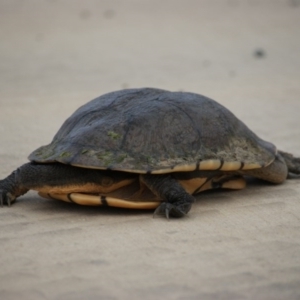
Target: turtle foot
x,y
6,198
175,210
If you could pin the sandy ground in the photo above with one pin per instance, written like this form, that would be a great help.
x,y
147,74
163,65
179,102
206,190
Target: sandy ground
x,y
56,55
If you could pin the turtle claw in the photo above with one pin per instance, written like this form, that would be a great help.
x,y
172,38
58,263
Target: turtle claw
x,y
172,210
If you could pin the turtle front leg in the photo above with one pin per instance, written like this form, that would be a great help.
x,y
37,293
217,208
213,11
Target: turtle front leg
x,y
177,202
11,188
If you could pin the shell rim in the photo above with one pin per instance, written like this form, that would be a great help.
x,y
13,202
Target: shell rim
x,y
205,165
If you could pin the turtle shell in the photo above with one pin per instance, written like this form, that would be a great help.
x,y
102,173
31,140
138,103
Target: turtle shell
x,y
155,131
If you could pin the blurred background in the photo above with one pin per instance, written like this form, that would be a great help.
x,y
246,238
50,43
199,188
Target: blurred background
x,y
51,48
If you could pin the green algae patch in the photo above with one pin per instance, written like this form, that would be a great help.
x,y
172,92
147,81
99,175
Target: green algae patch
x,y
121,158
65,154
84,151
106,158
149,159
44,152
113,135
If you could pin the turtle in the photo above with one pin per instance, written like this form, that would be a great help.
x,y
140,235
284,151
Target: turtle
x,y
148,148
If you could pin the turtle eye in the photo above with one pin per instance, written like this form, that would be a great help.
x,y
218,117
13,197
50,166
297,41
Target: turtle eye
x,y
107,181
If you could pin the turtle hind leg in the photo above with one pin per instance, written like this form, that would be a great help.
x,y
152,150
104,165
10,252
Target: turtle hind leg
x,y
276,172
177,202
293,163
